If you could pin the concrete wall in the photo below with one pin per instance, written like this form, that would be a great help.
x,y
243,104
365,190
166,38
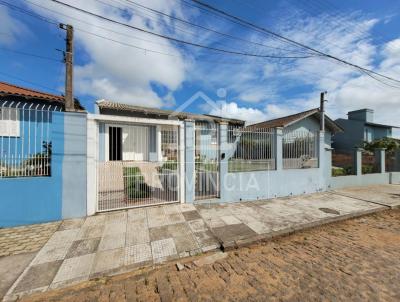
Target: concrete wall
x,y
74,165
28,200
359,180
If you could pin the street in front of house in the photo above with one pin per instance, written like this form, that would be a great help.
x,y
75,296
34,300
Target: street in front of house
x,y
116,242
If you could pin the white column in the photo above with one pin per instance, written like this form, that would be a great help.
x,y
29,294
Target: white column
x,y
92,159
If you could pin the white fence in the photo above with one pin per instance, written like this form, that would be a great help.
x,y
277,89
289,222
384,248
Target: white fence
x,y
251,149
140,168
25,139
300,149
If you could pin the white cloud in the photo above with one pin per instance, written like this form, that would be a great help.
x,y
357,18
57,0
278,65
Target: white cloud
x,y
232,110
11,28
120,72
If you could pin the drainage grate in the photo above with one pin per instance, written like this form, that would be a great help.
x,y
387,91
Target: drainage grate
x,y
329,211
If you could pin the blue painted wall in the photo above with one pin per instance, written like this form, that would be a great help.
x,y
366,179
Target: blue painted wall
x,y
35,199
74,165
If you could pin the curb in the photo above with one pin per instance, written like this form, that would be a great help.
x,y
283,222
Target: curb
x,y
244,242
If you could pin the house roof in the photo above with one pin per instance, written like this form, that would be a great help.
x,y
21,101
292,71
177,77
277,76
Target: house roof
x,y
291,119
380,125
7,89
106,104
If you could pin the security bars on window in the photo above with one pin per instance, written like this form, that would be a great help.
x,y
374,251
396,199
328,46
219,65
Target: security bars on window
x,y
25,139
251,149
300,149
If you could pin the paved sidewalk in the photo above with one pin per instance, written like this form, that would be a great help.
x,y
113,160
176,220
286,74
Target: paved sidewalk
x,y
25,239
121,241
113,243
355,260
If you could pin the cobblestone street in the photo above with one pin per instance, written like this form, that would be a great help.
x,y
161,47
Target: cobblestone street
x,y
355,260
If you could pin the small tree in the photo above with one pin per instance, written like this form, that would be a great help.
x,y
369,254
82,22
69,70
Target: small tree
x,y
390,144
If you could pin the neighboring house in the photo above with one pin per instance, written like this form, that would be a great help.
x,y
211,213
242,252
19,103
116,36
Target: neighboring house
x,y
300,140
359,127
302,122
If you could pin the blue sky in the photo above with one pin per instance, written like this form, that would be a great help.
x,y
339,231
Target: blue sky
x,y
167,74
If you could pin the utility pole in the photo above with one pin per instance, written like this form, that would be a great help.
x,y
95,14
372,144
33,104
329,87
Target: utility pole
x,y
68,59
322,109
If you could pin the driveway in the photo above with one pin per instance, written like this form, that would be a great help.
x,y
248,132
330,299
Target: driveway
x,y
117,242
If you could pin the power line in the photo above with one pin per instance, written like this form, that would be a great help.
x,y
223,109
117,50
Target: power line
x,y
30,54
176,39
146,50
212,8
203,27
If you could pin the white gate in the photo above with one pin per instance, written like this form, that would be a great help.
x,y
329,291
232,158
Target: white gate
x,y
138,164
207,153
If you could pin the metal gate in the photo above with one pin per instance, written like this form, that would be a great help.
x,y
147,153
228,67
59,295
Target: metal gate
x,y
140,166
207,184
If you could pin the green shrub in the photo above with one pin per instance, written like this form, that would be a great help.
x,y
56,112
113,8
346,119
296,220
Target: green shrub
x,y
134,183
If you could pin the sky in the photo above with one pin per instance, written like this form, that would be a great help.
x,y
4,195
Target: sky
x,y
121,64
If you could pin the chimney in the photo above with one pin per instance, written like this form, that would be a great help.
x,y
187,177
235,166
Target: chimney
x,y
363,115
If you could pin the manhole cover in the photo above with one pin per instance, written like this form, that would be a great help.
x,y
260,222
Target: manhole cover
x,y
329,211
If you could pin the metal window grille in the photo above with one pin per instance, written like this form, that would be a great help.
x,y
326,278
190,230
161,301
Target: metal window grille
x,y
25,139
251,149
141,170
300,149
206,160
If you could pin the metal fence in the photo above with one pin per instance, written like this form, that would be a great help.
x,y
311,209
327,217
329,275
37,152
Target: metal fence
x,y
25,139
147,172
300,149
207,146
251,149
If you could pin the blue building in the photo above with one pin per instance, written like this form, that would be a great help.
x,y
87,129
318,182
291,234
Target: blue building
x,y
358,128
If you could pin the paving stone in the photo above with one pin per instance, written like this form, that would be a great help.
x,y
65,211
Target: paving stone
x,y
74,268
71,224
95,220
159,233
93,231
163,249
137,214
197,225
83,247
38,276
137,236
51,253
234,232
139,253
106,261
186,244
115,217
229,220
172,209
259,227
63,237
179,229
191,215
206,240
185,207
117,227
110,242
157,220
175,218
